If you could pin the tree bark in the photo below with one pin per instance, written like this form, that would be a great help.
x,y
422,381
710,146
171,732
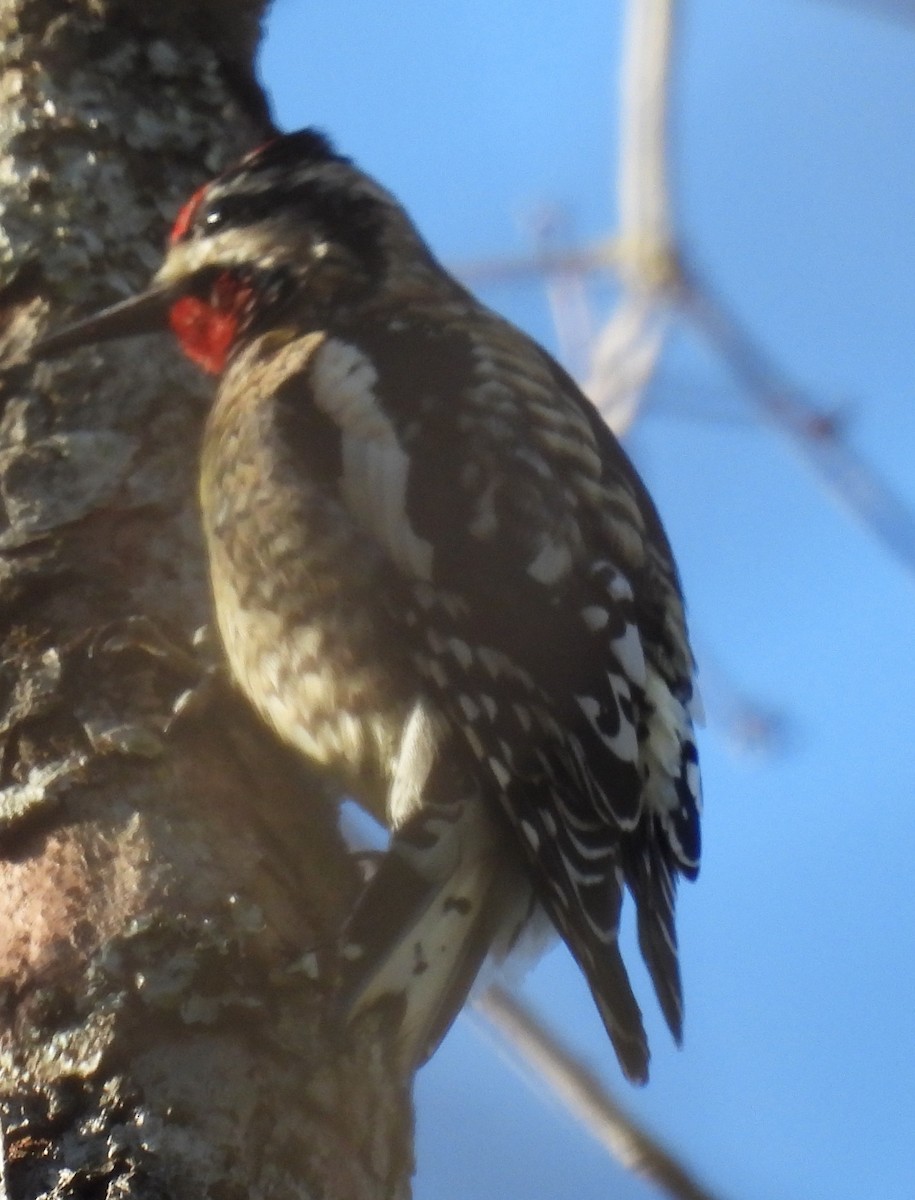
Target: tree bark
x,y
170,890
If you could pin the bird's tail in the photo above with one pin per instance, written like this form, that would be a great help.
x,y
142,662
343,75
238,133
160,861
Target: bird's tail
x,y
652,879
426,921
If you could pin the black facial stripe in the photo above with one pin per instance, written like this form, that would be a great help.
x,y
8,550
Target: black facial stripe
x,y
353,221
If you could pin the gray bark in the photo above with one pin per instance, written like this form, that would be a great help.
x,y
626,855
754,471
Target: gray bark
x,y
169,896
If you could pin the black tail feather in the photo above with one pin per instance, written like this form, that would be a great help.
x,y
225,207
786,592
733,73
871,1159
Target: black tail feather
x,y
652,881
621,1014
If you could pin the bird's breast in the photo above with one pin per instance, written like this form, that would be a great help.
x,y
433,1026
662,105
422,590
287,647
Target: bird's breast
x,y
301,593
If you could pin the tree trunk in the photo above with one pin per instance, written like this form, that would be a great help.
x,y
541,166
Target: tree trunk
x,y
170,890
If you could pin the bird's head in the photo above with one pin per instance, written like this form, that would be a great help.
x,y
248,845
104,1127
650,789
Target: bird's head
x,y
293,219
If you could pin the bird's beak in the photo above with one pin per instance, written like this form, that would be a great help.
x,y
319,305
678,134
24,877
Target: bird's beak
x,y
145,313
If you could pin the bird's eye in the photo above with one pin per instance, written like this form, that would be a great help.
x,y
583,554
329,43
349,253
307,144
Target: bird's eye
x,y
214,219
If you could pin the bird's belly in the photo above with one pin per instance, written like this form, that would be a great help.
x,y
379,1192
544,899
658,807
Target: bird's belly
x,y
320,667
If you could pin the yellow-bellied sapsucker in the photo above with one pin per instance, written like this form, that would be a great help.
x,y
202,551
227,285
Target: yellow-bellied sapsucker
x,y
436,573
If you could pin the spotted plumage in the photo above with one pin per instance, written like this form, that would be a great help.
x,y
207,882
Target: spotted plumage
x,y
436,573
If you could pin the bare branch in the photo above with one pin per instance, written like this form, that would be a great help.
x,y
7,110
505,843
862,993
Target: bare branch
x,y
813,430
585,1096
624,357
602,257
648,260
627,349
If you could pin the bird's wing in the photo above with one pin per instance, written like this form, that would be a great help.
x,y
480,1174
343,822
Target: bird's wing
x,y
545,617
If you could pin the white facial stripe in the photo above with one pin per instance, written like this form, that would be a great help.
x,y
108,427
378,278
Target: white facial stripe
x,y
223,250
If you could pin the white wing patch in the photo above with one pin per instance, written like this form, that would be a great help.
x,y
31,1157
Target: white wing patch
x,y
628,650
668,726
551,563
668,729
416,754
624,743
344,385
375,466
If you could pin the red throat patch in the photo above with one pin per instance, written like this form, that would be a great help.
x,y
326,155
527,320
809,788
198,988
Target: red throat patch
x,y
206,327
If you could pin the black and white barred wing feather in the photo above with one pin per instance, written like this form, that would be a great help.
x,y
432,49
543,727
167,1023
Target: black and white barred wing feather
x,y
541,606
573,780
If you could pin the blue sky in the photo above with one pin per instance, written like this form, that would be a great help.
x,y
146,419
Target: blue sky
x,y
794,172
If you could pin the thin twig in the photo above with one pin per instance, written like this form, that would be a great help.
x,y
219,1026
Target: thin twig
x,y
602,257
646,234
627,349
585,1097
815,432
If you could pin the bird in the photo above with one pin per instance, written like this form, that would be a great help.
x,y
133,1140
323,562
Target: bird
x,y
438,576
